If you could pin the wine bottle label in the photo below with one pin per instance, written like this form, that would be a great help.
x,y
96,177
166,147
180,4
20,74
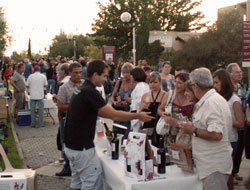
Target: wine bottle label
x,y
176,154
128,161
158,158
113,147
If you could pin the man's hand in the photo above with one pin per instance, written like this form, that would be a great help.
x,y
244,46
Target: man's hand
x,y
17,89
145,116
187,127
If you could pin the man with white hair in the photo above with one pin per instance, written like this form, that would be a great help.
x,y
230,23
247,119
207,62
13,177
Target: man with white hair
x,y
211,130
235,73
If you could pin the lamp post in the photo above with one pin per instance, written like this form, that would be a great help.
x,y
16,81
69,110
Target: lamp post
x,y
126,17
2,18
70,37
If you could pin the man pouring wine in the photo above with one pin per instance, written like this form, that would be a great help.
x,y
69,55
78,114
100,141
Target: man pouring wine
x,y
86,104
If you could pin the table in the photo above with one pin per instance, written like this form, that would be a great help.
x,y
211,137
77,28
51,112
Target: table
x,y
114,176
48,104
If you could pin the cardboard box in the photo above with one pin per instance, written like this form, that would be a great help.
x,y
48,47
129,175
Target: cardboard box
x,y
134,161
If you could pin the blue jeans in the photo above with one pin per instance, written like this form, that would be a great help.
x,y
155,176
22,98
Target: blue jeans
x,y
34,104
51,86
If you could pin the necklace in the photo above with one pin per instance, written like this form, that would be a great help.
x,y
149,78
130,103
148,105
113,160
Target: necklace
x,y
180,102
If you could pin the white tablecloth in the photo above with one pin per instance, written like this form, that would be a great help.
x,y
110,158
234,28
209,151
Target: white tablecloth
x,y
116,179
48,102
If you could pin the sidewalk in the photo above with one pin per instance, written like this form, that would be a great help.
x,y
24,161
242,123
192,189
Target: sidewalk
x,y
39,149
38,146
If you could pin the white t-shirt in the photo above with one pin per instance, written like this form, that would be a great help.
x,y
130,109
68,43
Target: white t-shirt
x,y
136,95
36,83
101,90
212,113
231,101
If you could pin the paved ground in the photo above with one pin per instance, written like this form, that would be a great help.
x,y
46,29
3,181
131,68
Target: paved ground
x,y
39,150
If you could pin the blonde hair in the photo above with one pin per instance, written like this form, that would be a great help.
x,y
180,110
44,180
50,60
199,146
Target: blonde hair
x,y
127,67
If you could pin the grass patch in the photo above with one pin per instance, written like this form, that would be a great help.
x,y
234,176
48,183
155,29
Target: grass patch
x,y
13,155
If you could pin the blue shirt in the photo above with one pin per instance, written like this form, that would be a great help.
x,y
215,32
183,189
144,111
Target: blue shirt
x,y
28,70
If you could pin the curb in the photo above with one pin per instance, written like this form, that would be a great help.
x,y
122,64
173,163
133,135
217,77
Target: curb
x,y
19,149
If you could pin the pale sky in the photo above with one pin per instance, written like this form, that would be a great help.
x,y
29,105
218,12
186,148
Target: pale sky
x,y
41,20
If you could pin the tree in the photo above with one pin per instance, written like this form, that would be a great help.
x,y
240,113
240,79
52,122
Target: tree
x,y
147,15
29,49
19,57
65,47
93,52
155,50
3,32
220,45
24,54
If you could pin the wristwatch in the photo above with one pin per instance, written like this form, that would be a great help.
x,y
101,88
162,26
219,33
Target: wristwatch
x,y
195,134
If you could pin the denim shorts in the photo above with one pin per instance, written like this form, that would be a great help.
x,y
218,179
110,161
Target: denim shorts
x,y
86,169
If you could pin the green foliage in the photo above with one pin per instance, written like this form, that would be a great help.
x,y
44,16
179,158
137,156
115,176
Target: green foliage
x,y
19,57
93,52
29,50
13,155
154,51
24,54
147,15
65,47
220,45
3,32
167,55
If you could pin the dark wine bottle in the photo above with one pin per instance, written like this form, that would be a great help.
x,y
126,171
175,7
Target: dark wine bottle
x,y
108,133
139,167
115,147
161,158
128,164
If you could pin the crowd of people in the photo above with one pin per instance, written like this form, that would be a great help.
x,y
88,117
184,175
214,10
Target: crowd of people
x,y
204,112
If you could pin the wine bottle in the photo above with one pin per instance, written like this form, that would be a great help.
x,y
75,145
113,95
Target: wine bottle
x,y
108,133
115,147
161,158
128,164
139,167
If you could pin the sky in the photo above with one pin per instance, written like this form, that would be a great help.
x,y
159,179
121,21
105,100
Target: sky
x,y
41,20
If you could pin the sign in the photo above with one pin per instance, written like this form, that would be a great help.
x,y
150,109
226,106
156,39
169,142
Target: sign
x,y
166,41
109,52
246,44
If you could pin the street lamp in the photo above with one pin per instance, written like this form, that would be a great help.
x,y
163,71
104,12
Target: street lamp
x,y
70,36
126,17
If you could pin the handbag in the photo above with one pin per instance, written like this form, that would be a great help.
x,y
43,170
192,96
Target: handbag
x,y
184,140
163,128
118,108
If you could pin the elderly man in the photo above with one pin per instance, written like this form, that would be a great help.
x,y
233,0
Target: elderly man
x,y
211,130
18,83
235,73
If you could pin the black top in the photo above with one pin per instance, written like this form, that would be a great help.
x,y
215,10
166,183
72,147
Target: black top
x,y
81,117
49,73
112,72
153,107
